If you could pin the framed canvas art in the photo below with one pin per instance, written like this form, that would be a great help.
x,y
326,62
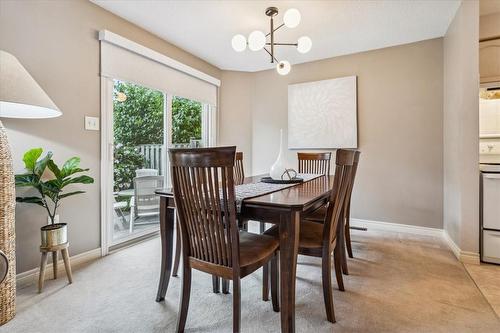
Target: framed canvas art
x,y
323,114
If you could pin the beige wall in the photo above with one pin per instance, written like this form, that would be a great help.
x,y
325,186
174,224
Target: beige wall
x,y
57,43
235,123
489,26
461,128
400,126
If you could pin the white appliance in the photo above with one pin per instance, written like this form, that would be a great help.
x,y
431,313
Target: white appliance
x,y
489,147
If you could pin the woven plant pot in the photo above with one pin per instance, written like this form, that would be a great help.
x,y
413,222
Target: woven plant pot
x,y
7,230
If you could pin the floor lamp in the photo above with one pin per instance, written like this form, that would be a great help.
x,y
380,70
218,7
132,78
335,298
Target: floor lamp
x,y
20,97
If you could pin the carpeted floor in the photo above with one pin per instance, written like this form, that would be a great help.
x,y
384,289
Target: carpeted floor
x,y
398,283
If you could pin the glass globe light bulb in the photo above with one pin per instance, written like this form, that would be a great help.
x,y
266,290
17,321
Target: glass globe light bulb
x,y
239,43
304,44
256,40
283,67
291,18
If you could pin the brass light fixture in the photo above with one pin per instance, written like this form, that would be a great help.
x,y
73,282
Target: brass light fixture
x,y
257,40
490,93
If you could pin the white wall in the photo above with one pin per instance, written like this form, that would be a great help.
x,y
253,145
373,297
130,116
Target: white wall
x,y
399,118
461,128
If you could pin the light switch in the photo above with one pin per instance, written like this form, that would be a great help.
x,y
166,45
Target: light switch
x,y
91,123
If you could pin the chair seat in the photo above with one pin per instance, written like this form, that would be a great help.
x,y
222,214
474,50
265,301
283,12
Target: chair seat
x,y
317,216
255,250
311,234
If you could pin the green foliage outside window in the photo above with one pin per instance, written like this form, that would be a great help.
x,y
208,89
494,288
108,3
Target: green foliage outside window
x,y
139,120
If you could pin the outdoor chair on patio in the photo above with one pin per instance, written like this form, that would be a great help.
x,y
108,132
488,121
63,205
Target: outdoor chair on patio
x,y
146,204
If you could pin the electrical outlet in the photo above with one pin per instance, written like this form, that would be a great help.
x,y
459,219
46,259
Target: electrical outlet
x,y
56,219
91,123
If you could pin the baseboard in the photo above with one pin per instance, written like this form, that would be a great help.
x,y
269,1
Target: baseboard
x,y
27,278
412,229
466,257
463,256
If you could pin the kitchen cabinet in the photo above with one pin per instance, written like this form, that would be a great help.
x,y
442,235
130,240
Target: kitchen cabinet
x,y
489,61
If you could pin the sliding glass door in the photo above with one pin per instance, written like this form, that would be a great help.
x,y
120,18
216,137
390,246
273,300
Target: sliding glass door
x,y
138,159
140,125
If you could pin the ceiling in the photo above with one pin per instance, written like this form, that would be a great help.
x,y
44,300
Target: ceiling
x,y
205,28
487,7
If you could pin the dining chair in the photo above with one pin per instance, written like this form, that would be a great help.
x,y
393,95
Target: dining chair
x,y
239,171
321,239
239,177
320,214
317,163
204,194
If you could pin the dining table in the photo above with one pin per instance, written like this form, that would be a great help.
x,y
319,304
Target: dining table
x,y
282,206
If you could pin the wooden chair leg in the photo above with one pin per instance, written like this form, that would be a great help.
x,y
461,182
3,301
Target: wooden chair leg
x,y
342,249
184,302
215,284
67,264
347,232
265,282
327,286
54,264
275,283
177,251
225,286
43,264
236,305
338,267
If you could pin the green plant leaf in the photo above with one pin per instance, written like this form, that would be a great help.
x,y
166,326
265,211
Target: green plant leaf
x,y
32,200
65,195
27,180
30,158
70,166
42,164
78,180
54,168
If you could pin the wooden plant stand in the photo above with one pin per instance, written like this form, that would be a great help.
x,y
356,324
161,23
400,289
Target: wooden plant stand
x,y
45,251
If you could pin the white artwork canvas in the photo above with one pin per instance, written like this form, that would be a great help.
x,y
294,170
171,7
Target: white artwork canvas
x,y
322,114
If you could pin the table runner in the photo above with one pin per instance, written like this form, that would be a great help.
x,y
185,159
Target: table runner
x,y
252,190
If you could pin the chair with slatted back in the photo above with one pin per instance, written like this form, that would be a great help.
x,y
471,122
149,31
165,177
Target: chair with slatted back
x,y
317,163
321,239
239,177
239,171
320,214
204,193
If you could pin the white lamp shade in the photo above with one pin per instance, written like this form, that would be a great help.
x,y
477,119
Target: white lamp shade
x,y
304,44
256,40
20,94
283,67
239,43
291,18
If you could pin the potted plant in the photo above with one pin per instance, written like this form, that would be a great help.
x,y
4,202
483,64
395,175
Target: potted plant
x,y
50,190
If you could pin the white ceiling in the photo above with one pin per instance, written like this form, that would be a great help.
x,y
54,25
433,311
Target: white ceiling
x,y
205,28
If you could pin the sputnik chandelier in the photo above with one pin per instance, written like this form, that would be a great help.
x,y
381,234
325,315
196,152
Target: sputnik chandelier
x,y
257,40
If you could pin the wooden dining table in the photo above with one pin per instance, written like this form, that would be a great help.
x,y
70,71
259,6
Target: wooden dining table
x,y
283,207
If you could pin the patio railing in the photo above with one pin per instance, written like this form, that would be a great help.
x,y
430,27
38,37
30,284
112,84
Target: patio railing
x,y
153,154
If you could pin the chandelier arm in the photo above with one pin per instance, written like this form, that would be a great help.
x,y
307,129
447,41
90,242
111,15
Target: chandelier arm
x,y
270,54
279,26
284,44
272,40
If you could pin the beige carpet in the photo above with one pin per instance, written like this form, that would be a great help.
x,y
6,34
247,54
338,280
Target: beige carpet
x,y
398,283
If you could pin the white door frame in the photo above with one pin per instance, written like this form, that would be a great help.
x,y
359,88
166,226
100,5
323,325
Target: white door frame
x,y
107,140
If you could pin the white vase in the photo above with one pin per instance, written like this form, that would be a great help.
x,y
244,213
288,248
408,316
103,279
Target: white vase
x,y
279,167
